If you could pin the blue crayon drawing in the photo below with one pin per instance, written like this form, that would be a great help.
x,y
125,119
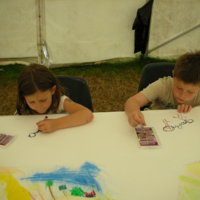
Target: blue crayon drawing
x,y
85,176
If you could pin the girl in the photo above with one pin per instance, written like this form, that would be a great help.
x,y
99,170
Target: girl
x,y
40,93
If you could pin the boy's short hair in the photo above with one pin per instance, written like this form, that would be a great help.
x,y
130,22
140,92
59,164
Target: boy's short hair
x,y
187,68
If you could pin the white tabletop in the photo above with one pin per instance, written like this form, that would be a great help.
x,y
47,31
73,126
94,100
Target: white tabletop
x,y
126,172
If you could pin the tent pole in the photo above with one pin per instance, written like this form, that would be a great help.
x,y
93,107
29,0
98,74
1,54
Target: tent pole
x,y
43,55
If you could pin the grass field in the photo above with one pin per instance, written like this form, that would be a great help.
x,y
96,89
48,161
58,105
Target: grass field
x,y
110,83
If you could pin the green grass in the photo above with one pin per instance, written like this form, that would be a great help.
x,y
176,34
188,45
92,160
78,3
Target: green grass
x,y
9,73
107,68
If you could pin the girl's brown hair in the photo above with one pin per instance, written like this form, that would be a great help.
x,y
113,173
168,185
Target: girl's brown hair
x,y
35,78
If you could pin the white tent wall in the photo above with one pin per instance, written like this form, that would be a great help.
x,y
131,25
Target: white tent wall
x,y
175,28
75,31
18,34
78,31
88,30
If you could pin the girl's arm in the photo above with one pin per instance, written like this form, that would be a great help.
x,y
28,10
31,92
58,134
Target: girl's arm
x,y
132,109
78,115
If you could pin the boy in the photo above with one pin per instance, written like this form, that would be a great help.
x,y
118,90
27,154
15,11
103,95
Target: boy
x,y
182,91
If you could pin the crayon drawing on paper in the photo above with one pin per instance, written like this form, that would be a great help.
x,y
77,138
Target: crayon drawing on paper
x,y
190,183
62,183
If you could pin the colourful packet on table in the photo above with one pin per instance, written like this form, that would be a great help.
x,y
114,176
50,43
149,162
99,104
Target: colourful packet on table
x,y
147,137
5,140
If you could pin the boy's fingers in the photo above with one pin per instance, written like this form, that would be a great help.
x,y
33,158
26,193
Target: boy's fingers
x,y
132,122
181,108
184,108
143,123
140,119
178,108
136,118
187,108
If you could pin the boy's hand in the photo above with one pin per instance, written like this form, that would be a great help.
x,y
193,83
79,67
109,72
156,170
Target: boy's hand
x,y
136,118
132,109
184,108
47,125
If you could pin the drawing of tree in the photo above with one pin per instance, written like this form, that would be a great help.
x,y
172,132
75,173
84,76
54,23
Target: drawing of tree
x,y
49,184
62,188
77,191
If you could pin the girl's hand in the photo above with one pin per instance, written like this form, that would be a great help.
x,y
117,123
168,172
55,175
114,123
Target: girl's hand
x,y
184,108
47,125
136,118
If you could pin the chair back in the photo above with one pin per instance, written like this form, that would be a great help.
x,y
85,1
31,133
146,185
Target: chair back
x,y
76,89
152,72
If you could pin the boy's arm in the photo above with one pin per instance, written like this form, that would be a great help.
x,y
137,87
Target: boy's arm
x,y
78,115
132,109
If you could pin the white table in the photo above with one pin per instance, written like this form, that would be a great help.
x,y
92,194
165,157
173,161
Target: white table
x,y
126,172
